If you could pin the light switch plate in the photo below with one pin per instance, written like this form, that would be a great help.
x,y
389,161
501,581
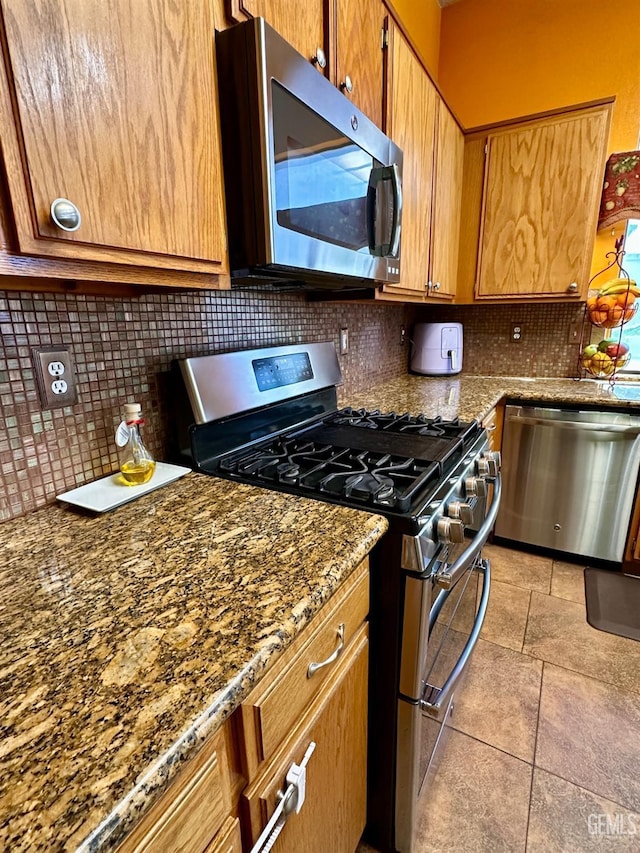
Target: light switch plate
x,y
56,377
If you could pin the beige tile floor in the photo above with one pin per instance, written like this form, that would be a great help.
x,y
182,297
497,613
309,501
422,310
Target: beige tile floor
x,y
544,751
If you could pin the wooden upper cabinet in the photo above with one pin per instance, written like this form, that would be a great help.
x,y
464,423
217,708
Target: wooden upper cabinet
x,y
359,34
447,205
303,24
348,31
113,106
412,103
542,185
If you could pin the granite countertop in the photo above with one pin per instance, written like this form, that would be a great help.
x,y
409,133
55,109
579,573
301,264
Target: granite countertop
x,y
128,639
468,397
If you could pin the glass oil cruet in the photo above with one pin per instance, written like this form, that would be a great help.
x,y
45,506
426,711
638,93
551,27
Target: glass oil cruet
x,y
136,463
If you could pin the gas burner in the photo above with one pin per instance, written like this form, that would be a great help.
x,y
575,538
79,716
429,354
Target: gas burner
x,y
372,484
393,422
357,417
288,472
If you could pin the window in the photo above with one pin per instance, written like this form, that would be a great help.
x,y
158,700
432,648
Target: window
x,y
631,265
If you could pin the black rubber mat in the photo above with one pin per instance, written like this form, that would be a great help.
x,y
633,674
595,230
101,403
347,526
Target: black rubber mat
x,y
613,602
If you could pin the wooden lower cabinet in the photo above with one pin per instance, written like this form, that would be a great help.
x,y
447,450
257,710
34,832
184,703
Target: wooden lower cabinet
x,y
493,424
333,815
192,813
228,840
315,692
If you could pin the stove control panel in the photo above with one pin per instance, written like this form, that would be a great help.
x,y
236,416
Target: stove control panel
x,y
276,371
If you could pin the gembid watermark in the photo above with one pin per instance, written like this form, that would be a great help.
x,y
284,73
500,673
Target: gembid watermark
x,y
613,824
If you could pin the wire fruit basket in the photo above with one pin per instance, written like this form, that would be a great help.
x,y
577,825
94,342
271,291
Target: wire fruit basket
x,y
609,307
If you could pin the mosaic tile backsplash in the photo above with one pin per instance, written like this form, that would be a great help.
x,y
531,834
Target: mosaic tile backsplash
x,y
543,350
123,348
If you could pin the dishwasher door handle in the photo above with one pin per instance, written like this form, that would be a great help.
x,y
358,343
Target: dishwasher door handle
x,y
575,425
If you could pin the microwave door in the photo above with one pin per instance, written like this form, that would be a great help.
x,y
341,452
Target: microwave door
x,y
323,213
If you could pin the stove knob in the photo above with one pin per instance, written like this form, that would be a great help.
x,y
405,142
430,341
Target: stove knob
x,y
450,531
475,487
489,465
463,511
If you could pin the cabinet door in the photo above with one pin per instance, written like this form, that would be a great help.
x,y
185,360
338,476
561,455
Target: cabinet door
x,y
359,33
333,815
493,425
116,110
447,204
303,24
541,192
411,116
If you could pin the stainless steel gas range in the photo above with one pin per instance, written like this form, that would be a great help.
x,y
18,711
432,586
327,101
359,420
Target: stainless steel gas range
x,y
269,417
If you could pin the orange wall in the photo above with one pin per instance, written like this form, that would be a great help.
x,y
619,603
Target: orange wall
x,y
421,19
505,58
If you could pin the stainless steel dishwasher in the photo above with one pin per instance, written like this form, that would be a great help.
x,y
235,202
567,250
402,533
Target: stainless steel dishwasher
x,y
569,479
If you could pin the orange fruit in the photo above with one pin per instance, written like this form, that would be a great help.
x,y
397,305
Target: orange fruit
x,y
598,317
626,298
591,301
614,316
606,302
628,313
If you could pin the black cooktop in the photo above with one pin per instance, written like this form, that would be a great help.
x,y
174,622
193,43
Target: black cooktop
x,y
369,459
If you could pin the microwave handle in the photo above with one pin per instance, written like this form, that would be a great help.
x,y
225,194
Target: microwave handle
x,y
384,173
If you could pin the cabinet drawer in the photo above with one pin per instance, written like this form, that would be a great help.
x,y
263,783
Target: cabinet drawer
x,y
191,812
333,815
287,691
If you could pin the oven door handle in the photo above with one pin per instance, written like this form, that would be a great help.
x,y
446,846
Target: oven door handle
x,y
439,697
449,576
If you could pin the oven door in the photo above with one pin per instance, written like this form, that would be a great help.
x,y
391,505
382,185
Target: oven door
x,y
443,614
455,619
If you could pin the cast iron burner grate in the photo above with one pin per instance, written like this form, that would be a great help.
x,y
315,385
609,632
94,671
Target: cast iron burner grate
x,y
358,457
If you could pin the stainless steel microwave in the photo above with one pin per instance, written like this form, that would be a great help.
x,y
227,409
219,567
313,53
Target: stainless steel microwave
x,y
313,187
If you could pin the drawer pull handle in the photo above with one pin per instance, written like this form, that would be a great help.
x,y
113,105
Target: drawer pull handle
x,y
314,667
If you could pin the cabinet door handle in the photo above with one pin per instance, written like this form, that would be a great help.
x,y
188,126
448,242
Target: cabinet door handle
x,y
347,84
314,667
320,59
65,214
573,287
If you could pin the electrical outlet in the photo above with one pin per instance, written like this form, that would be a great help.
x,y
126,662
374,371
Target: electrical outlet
x,y
56,377
403,335
516,334
574,332
344,341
